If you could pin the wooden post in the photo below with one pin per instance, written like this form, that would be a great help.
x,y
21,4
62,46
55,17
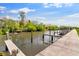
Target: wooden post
x,y
51,39
54,33
49,32
31,37
6,49
57,32
43,38
7,35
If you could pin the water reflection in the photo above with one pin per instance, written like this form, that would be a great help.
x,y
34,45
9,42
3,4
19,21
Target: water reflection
x,y
23,41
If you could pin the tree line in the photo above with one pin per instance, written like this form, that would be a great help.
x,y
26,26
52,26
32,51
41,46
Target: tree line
x,y
9,25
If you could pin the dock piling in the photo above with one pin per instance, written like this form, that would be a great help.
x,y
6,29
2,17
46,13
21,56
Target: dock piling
x,y
31,37
51,39
43,38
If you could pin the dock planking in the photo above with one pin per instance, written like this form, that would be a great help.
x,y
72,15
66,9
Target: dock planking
x,y
11,46
68,45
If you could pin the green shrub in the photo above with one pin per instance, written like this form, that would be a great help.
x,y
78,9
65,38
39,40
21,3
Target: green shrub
x,y
52,27
1,32
2,54
4,30
40,27
31,28
77,31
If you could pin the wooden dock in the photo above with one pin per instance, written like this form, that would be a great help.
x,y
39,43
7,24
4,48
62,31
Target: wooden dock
x,y
11,46
68,45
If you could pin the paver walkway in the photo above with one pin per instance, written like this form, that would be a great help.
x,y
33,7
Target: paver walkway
x,y
68,45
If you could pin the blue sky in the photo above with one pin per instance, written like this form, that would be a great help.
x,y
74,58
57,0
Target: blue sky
x,y
48,13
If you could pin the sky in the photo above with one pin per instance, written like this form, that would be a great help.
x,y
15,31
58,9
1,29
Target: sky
x,y
48,13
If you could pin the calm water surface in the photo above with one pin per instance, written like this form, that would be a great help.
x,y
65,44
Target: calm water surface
x,y
23,41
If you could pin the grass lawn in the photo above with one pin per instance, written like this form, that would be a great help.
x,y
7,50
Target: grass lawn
x,y
77,31
4,54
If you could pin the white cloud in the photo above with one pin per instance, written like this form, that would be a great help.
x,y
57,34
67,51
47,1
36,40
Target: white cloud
x,y
41,18
72,20
38,18
57,5
69,20
46,5
2,11
26,10
7,17
68,4
72,17
2,7
13,11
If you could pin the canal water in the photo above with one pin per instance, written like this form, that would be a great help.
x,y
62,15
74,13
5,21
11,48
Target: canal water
x,y
23,41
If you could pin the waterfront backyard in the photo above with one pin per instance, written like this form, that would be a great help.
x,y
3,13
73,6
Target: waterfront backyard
x,y
23,41
29,29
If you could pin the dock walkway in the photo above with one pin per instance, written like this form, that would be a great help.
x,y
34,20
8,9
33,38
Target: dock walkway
x,y
11,46
68,45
